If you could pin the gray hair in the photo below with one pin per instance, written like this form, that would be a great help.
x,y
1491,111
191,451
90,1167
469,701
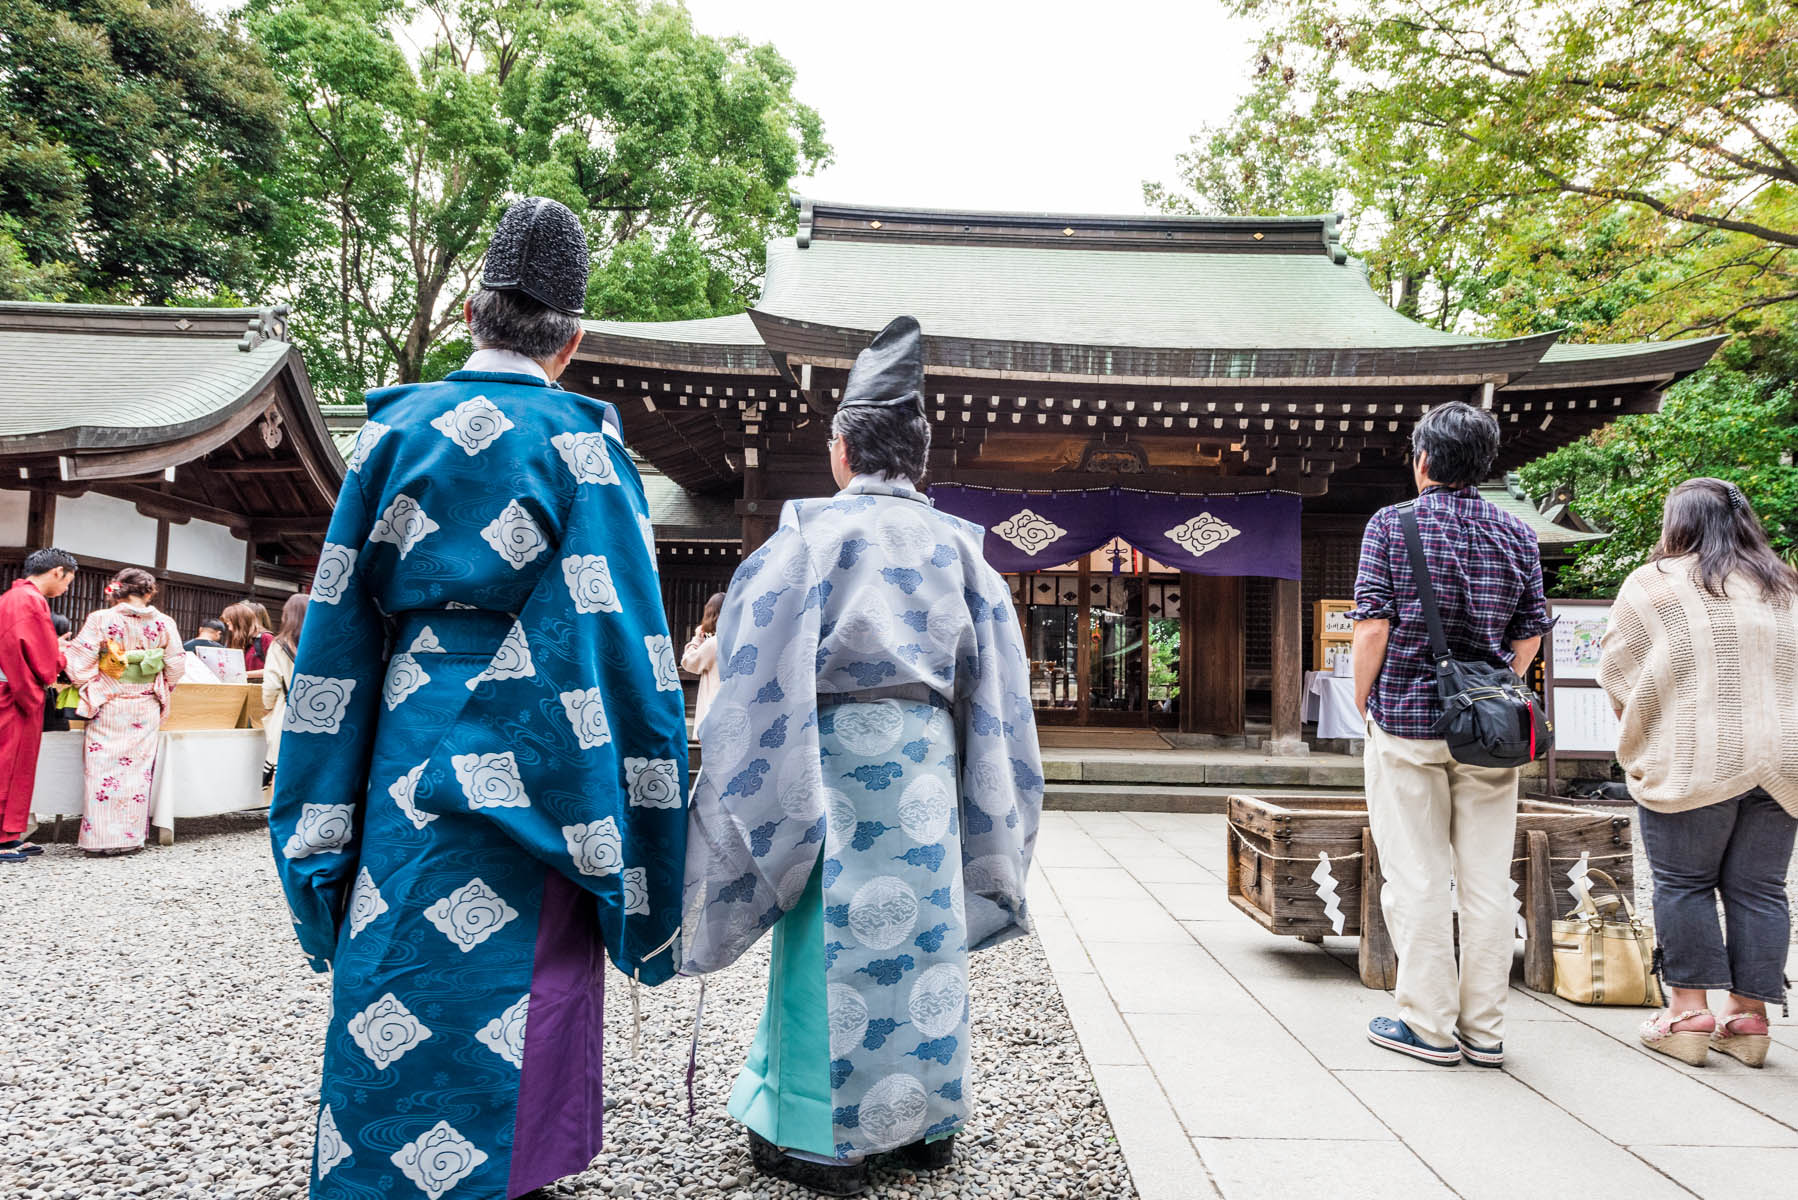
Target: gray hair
x,y
502,319
893,441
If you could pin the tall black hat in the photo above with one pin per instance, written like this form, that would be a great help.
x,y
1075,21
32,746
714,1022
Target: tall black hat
x,y
890,371
540,249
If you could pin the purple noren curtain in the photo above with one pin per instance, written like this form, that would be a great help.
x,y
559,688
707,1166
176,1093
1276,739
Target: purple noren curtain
x,y
1246,533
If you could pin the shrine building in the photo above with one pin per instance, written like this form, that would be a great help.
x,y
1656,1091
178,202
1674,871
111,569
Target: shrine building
x,y
1174,429
183,440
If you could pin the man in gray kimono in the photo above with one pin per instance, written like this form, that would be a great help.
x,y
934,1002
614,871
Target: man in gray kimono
x,y
871,792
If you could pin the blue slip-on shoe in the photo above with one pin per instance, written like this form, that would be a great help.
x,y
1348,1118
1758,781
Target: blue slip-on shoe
x,y
1495,1057
1396,1035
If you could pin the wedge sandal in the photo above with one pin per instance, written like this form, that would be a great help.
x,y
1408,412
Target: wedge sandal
x,y
1749,1049
1690,1046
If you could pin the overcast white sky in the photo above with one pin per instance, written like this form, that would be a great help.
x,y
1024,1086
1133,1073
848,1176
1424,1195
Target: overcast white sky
x,y
1055,105
1051,105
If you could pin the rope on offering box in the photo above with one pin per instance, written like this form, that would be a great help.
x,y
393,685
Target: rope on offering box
x,y
1325,877
1243,835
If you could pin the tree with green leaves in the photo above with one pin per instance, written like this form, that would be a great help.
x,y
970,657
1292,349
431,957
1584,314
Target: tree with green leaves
x,y
413,124
1636,135
1724,423
134,138
1510,167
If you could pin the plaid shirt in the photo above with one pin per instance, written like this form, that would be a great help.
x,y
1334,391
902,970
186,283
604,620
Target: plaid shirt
x,y
1487,569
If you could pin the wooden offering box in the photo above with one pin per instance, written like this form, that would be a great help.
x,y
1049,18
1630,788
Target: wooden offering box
x,y
1274,843
214,706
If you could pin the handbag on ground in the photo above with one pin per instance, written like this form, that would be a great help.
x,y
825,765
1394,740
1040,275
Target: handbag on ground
x,y
1603,952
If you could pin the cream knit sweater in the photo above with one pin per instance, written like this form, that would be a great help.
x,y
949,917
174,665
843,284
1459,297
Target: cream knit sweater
x,y
1708,689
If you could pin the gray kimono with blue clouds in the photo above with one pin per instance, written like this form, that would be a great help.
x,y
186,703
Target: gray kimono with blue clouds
x,y
873,727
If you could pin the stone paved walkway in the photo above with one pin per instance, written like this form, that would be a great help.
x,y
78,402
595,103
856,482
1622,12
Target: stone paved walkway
x,y
1234,1063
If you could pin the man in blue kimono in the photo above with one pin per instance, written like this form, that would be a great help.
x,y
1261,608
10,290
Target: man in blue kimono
x,y
871,791
484,757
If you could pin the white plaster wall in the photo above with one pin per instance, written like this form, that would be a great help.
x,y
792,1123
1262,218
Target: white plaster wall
x,y
15,516
208,550
104,527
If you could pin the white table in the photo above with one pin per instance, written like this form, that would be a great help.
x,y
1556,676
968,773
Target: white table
x,y
199,773
1330,701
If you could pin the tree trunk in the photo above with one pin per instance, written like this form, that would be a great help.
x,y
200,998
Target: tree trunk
x,y
1408,300
411,359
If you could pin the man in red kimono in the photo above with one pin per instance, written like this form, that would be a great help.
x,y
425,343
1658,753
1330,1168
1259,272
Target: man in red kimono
x,y
30,658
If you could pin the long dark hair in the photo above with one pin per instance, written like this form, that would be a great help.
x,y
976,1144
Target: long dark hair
x,y
1713,521
293,617
244,624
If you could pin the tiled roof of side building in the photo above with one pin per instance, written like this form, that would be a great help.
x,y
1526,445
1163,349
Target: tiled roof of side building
x,y
682,515
1511,498
98,376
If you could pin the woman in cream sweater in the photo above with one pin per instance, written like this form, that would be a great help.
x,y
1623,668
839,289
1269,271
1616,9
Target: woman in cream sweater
x,y
701,657
1701,664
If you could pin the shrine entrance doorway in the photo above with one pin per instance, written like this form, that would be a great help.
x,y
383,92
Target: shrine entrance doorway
x,y
1104,638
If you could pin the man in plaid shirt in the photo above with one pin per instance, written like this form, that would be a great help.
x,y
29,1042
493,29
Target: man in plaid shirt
x,y
1434,818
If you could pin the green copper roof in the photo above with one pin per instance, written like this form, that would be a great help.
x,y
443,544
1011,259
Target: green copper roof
x,y
734,330
1144,299
1550,535
1090,297
76,376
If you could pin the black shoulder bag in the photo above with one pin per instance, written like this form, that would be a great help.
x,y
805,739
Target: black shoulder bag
x,y
1490,717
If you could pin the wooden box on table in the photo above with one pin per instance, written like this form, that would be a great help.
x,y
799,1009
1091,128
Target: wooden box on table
x,y
1274,845
214,706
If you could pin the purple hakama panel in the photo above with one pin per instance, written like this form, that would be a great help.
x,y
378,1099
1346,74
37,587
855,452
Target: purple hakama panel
x,y
560,1097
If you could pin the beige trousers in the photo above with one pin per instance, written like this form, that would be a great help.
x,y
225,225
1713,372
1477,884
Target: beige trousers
x,y
1431,816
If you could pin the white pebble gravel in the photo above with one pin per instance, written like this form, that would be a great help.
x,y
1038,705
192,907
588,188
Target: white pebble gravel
x,y
165,1034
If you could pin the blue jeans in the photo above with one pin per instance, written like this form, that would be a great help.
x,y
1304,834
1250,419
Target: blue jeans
x,y
1740,848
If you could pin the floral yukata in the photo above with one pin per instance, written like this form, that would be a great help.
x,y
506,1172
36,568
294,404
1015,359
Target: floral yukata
x,y
118,762
483,772
871,792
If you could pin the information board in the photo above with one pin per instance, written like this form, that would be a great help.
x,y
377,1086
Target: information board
x,y
1574,645
1584,722
1585,726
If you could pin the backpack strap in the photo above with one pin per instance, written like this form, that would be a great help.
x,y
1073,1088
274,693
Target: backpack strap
x,y
1420,574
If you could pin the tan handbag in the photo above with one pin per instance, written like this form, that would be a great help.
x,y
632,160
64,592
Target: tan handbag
x,y
1604,953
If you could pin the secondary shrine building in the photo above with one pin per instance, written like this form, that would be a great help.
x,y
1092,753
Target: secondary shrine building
x,y
183,440
1174,428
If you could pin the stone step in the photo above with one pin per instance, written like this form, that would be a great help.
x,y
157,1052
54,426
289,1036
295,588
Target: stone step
x,y
1236,772
1127,797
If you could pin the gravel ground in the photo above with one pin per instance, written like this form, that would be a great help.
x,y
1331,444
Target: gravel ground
x,y
168,1030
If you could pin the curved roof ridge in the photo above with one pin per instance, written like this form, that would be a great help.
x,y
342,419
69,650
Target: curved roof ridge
x,y
1178,219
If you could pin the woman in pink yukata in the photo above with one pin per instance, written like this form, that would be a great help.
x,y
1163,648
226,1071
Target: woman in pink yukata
x,y
126,662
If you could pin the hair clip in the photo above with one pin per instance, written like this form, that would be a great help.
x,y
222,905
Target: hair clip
x,y
1737,501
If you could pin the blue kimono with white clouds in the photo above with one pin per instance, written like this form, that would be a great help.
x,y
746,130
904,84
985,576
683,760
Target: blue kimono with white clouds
x,y
871,789
481,786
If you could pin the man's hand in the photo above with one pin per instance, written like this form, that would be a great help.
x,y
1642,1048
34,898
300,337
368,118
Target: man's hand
x,y
1370,655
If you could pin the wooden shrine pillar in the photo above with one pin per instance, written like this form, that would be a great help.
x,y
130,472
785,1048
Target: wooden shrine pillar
x,y
1288,669
1211,654
760,515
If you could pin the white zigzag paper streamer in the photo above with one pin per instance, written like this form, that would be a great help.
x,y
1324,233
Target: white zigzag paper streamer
x,y
1326,891
1523,930
1581,883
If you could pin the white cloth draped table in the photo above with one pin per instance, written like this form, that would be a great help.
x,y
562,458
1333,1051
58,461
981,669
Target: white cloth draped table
x,y
1330,701
199,773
